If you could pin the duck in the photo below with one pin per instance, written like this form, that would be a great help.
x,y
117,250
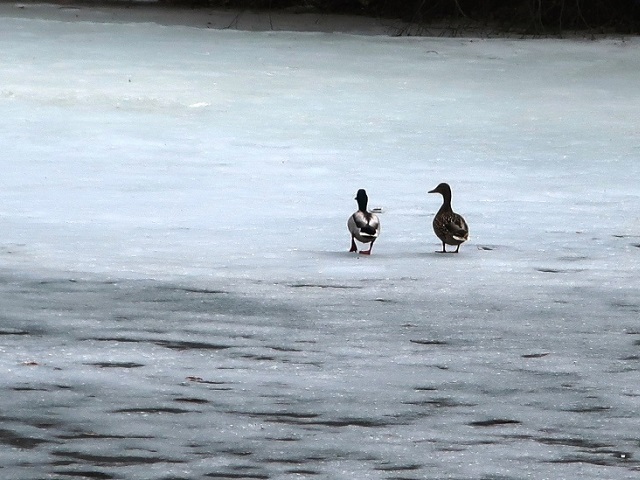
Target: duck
x,y
449,226
363,225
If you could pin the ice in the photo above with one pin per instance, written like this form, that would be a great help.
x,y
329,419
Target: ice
x,y
177,297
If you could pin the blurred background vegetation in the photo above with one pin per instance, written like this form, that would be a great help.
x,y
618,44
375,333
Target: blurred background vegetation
x,y
523,16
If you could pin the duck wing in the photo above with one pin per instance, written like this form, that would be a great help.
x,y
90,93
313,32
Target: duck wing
x,y
451,226
364,224
456,227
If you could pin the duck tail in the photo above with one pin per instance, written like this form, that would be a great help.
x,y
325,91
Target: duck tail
x,y
368,230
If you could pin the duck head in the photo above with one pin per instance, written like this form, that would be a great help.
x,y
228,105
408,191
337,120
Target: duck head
x,y
362,199
443,189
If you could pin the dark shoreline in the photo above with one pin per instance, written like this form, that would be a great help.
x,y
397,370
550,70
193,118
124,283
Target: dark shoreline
x,y
290,19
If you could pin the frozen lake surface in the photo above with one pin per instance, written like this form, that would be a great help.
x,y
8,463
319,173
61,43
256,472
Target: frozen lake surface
x,y
177,297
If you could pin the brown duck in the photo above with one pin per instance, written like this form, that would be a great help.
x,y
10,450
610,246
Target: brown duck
x,y
450,227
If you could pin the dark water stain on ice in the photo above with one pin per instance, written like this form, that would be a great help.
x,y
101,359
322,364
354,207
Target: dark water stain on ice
x,y
13,439
535,355
203,291
573,258
188,345
353,422
13,331
631,358
153,410
428,342
90,474
170,344
325,286
302,471
319,420
602,459
30,389
396,468
193,400
559,270
258,357
588,409
586,451
243,472
237,452
573,442
625,305
440,402
215,384
98,436
105,460
285,349
494,422
116,364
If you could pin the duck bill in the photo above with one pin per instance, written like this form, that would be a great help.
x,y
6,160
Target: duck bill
x,y
432,191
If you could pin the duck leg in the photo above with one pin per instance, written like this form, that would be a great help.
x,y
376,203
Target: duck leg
x,y
353,245
457,248
367,252
444,249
